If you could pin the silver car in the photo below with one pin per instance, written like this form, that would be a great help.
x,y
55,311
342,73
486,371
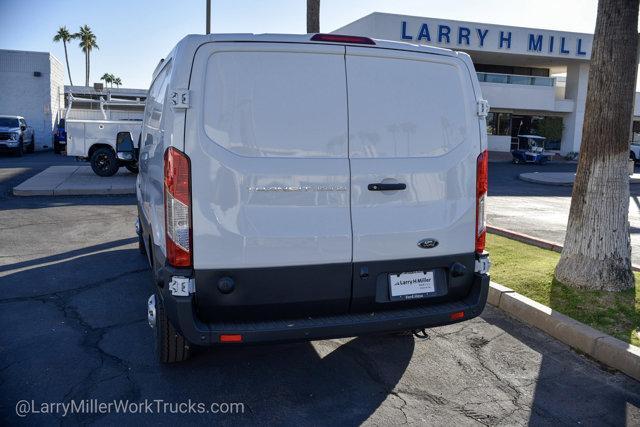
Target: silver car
x,y
16,136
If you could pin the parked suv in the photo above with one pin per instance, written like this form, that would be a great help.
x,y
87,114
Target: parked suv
x,y
16,136
310,187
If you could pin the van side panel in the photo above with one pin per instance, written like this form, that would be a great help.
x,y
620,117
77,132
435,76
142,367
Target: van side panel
x,y
411,120
157,134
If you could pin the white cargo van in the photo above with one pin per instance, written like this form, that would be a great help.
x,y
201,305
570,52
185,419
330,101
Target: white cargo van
x,y
310,187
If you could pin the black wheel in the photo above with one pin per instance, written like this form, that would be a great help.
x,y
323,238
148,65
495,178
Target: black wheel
x,y
132,167
171,347
633,157
104,162
32,147
58,148
20,150
515,161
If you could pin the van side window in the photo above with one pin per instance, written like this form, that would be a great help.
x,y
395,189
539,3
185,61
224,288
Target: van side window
x,y
155,100
277,104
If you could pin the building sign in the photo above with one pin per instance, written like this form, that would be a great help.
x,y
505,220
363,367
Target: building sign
x,y
471,36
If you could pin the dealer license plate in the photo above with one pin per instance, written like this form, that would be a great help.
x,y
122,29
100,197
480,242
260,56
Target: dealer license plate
x,y
411,285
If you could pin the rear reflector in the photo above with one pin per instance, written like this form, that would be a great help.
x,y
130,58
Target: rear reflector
x,y
482,184
337,38
230,338
177,207
457,315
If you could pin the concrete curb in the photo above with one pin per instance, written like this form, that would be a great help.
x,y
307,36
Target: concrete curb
x,y
565,179
559,181
598,345
530,240
75,181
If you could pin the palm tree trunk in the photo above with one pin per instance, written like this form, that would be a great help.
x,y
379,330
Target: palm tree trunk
x,y
313,16
86,69
66,58
597,250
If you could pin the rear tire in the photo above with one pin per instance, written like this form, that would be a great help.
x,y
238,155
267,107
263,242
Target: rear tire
x,y
171,347
632,156
104,162
132,167
32,147
57,147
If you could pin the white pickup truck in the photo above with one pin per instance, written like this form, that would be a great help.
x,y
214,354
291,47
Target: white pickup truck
x,y
95,141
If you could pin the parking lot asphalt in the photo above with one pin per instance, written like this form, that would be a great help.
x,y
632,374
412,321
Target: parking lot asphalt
x,y
73,292
542,210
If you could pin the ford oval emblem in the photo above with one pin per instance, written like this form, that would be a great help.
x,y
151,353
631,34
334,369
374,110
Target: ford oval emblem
x,y
428,243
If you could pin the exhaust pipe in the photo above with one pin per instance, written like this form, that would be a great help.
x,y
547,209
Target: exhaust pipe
x,y
151,311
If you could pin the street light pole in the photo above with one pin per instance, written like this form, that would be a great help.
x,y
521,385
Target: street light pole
x,y
208,16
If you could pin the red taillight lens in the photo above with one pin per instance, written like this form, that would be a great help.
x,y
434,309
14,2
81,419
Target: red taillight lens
x,y
177,207
230,338
482,185
457,315
338,38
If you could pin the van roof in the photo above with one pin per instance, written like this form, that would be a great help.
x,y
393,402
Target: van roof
x,y
190,43
306,38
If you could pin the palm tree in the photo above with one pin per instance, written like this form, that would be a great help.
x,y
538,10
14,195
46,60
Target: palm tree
x,y
117,81
87,44
313,16
597,249
108,78
65,36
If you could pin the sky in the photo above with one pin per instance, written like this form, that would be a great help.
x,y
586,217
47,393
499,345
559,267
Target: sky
x,y
133,35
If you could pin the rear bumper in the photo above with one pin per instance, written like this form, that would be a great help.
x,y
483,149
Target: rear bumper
x,y
181,312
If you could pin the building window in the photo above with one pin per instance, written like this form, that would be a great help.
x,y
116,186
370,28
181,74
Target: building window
x,y
491,123
499,124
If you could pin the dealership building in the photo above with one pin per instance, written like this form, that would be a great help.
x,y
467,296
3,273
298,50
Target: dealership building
x,y
535,80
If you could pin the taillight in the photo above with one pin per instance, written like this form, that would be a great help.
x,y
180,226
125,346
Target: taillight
x,y
177,207
339,38
457,315
482,184
230,338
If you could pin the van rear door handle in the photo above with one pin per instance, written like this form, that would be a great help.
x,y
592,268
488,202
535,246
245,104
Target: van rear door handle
x,y
382,186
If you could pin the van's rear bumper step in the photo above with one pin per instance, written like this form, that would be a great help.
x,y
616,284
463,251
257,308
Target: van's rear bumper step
x,y
180,310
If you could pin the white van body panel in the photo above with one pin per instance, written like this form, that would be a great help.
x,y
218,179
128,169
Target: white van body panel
x,y
412,120
238,222
269,155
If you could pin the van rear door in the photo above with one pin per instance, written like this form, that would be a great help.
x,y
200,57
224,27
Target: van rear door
x,y
267,138
413,145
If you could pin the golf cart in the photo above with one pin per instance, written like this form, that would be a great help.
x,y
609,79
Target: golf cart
x,y
529,149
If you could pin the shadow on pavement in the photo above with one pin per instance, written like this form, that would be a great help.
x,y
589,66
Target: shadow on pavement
x,y
570,388
76,329
79,332
69,254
